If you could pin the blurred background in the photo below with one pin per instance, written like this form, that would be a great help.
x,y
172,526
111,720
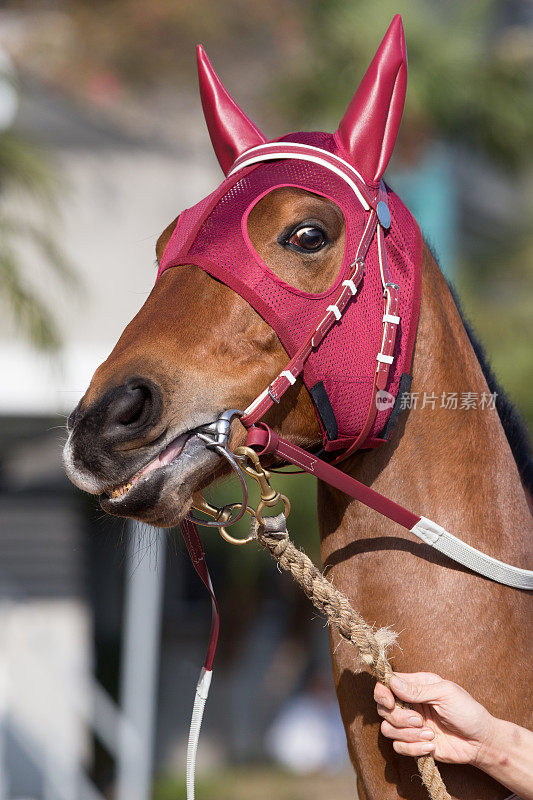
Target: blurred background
x,y
103,623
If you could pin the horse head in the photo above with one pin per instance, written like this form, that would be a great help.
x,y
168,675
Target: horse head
x,y
243,276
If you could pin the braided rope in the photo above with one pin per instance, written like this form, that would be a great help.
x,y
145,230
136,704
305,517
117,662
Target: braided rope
x,y
370,644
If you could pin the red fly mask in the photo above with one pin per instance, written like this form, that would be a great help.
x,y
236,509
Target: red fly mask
x,y
351,344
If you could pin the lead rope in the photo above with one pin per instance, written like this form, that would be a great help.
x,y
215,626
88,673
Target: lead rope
x,y
370,644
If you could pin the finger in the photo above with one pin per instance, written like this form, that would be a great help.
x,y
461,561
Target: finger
x,y
384,696
414,692
414,748
419,677
406,734
401,717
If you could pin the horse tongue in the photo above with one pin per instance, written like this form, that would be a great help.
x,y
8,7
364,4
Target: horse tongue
x,y
167,455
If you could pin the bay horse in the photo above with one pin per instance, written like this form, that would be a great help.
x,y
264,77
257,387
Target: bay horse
x,y
198,347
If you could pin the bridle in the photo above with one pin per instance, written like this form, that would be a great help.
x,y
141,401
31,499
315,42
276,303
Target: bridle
x,y
262,440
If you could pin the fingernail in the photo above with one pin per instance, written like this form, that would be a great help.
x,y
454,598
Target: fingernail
x,y
427,734
416,722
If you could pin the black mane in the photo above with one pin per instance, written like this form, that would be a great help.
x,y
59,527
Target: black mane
x,y
513,424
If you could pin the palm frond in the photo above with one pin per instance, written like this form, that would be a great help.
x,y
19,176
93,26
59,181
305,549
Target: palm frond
x,y
24,168
46,243
27,308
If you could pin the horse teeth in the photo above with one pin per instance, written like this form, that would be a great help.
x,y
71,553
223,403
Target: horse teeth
x,y
119,491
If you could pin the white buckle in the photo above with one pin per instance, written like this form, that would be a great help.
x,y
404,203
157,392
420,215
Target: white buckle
x,y
385,359
290,377
351,286
391,318
336,311
389,285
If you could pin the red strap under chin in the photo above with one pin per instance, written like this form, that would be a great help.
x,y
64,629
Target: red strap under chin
x,y
196,552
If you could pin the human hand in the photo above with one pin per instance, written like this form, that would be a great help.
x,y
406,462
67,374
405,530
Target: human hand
x,y
444,721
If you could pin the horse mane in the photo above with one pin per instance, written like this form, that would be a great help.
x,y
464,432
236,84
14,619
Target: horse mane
x,y
513,423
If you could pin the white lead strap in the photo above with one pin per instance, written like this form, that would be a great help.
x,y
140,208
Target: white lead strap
x,y
448,544
202,690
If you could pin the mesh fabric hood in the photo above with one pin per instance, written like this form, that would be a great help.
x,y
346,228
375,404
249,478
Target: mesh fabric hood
x,y
213,236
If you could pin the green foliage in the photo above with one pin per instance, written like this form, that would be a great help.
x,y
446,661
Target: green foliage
x,y
24,169
29,311
498,299
145,43
467,80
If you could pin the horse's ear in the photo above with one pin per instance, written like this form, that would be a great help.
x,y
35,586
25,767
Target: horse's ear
x,y
230,129
369,128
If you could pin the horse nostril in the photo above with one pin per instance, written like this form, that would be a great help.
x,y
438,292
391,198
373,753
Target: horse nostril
x,y
132,406
126,415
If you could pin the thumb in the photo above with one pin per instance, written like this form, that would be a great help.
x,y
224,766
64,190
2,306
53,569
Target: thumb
x,y
416,690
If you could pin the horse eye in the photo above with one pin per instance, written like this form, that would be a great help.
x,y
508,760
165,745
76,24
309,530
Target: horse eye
x,y
308,238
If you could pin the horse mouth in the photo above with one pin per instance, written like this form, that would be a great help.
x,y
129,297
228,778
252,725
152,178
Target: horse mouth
x,y
160,493
170,453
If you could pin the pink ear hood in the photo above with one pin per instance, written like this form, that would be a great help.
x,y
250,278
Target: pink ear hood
x,y
367,132
231,132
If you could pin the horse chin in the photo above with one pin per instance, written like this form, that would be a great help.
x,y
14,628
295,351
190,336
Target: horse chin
x,y
164,496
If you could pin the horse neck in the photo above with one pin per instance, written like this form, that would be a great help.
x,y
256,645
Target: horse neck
x,y
453,466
